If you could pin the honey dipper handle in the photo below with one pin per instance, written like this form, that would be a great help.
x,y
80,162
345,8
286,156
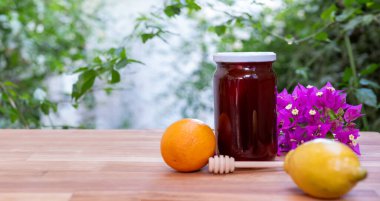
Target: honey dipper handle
x,y
258,164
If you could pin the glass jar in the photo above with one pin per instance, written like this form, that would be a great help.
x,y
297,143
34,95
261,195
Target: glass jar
x,y
245,105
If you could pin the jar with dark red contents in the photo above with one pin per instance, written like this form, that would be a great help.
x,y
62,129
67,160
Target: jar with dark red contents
x,y
245,105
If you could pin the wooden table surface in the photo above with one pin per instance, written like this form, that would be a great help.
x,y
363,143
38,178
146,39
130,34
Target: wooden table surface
x,y
89,165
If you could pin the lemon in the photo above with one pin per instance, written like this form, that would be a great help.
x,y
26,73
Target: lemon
x,y
324,168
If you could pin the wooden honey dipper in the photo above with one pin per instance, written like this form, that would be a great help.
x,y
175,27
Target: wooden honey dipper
x,y
225,164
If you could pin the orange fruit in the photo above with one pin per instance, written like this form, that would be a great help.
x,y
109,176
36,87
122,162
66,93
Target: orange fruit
x,y
187,144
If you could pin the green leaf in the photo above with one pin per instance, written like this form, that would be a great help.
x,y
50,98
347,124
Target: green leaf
x,y
121,64
124,62
365,1
352,24
220,30
329,135
115,77
75,93
65,127
347,75
111,51
121,52
106,66
291,120
367,19
369,69
9,84
366,96
192,5
348,3
80,69
257,26
4,96
346,14
134,61
329,13
228,2
97,60
84,83
369,83
75,105
12,92
108,90
332,114
13,114
147,36
172,10
54,106
322,36
45,107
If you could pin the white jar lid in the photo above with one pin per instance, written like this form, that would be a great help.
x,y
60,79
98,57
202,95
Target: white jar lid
x,y
232,57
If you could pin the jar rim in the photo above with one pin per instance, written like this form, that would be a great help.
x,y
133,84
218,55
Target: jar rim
x,y
232,57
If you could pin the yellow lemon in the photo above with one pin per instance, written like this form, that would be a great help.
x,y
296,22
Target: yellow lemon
x,y
324,168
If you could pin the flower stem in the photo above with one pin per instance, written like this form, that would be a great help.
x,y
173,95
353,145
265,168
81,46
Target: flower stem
x,y
347,42
364,118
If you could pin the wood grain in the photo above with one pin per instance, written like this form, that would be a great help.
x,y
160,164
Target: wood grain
x,y
113,165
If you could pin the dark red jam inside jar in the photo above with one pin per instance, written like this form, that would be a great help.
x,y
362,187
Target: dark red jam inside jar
x,y
245,105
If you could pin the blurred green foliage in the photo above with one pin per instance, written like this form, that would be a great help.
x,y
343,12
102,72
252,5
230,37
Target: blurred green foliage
x,y
104,67
316,41
38,39
41,39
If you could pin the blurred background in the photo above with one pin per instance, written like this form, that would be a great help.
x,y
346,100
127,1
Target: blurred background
x,y
144,64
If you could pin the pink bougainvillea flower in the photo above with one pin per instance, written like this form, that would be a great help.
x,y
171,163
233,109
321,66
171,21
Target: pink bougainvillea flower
x,y
352,113
308,113
318,131
348,136
283,99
